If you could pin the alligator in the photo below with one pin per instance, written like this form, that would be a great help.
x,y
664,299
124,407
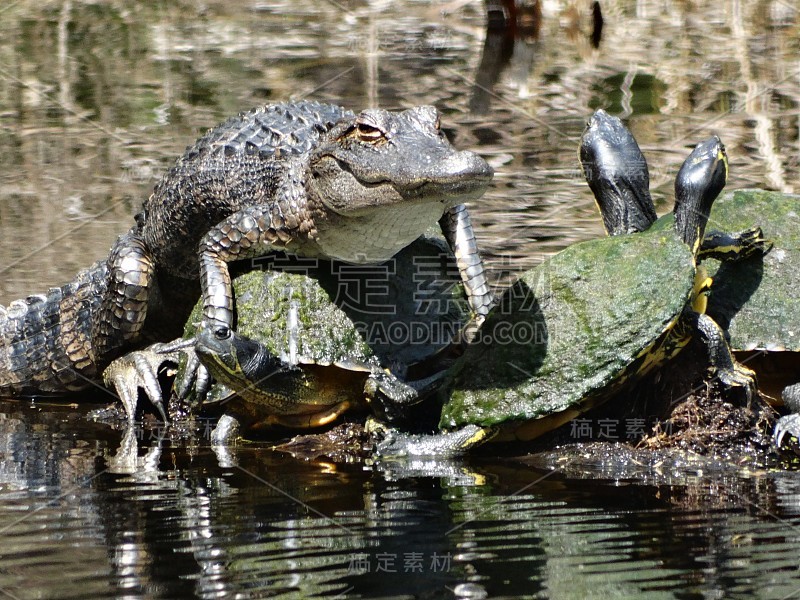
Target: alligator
x,y
307,178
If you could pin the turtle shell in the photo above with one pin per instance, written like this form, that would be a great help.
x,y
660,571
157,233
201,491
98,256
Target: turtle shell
x,y
756,299
398,314
571,330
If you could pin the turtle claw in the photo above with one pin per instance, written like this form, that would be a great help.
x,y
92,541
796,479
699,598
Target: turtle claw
x,y
139,369
739,378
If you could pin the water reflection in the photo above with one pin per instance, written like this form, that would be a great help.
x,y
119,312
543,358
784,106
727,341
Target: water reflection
x,y
270,524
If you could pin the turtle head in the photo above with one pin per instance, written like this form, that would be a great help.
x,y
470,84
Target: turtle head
x,y
700,180
616,171
234,360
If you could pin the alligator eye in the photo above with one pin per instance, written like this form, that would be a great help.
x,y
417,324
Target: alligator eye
x,y
222,333
368,133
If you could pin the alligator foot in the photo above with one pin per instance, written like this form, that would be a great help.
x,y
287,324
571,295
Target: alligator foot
x,y
139,369
790,424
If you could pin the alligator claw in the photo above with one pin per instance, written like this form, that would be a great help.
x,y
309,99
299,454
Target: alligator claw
x,y
790,424
787,426
184,384
139,369
195,377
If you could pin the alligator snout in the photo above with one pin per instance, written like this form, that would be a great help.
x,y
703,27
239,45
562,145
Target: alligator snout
x,y
465,165
458,177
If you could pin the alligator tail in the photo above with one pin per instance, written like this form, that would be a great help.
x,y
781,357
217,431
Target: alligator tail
x,y
46,344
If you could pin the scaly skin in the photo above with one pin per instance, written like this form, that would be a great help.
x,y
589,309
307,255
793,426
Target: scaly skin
x,y
46,342
60,341
308,178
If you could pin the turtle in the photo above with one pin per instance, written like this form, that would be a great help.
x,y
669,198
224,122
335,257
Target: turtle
x,y
756,301
602,313
314,341
260,389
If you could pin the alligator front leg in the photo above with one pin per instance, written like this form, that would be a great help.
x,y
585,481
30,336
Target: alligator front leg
x,y
253,231
457,229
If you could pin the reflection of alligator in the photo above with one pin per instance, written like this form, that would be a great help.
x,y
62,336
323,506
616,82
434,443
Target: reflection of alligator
x,y
309,178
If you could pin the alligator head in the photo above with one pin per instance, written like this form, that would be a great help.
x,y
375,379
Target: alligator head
x,y
380,179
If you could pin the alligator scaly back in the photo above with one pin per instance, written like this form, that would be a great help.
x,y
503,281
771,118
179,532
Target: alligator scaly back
x,y
250,159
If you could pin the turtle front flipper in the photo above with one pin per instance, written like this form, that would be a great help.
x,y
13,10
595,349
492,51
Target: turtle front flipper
x,y
392,443
721,363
